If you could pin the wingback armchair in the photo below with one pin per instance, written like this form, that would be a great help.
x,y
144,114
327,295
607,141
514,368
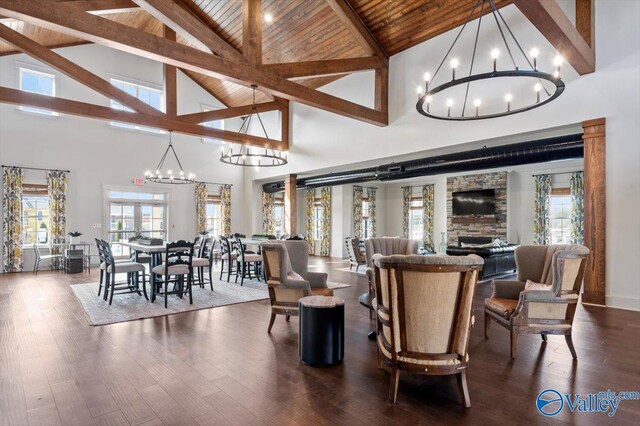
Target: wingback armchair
x,y
386,246
548,303
424,315
298,251
285,285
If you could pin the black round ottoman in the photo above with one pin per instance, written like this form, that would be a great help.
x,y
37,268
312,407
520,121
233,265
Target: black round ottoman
x,y
321,338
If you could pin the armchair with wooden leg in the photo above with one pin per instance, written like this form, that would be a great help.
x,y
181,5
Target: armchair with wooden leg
x,y
424,315
544,298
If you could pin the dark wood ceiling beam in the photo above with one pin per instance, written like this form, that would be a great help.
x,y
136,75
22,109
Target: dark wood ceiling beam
x,y
189,26
252,31
74,71
552,22
585,20
326,67
170,79
67,106
361,32
112,34
381,92
221,114
100,7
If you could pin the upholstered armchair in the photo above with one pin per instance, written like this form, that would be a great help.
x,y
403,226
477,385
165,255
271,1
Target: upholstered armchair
x,y
285,286
298,251
356,257
386,246
424,315
545,305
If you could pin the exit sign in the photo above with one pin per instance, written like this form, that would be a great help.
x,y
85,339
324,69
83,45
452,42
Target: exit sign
x,y
138,181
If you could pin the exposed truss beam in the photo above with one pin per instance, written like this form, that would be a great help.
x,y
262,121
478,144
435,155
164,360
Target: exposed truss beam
x,y
76,72
100,7
252,31
552,22
170,80
67,106
183,22
585,20
361,32
221,114
381,96
112,34
327,67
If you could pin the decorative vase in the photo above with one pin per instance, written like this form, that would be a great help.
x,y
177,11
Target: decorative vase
x,y
443,243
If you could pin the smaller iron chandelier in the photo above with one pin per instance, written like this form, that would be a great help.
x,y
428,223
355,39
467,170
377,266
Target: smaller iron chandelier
x,y
160,176
252,156
545,86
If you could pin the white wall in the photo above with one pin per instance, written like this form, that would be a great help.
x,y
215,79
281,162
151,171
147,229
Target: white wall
x,y
321,140
99,155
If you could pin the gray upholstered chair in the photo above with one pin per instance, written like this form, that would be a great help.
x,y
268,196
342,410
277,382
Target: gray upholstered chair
x,y
550,307
356,257
386,246
424,315
287,285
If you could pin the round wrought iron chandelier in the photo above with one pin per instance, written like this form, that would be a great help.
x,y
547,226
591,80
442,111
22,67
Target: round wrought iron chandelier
x,y
167,177
252,156
545,86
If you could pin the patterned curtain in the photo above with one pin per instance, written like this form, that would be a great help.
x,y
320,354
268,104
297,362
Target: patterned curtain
x,y
357,211
325,231
201,207
268,220
577,208
371,193
541,226
406,204
57,187
225,200
12,179
427,217
308,214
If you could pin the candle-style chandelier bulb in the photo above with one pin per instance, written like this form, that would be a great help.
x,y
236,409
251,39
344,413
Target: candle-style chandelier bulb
x,y
427,76
454,64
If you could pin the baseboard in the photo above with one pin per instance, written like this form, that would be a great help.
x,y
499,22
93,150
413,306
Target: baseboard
x,y
629,303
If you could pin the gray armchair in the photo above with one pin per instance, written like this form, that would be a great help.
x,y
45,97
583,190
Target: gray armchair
x,y
299,256
386,246
545,310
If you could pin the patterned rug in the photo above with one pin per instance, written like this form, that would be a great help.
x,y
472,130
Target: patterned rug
x,y
361,270
130,307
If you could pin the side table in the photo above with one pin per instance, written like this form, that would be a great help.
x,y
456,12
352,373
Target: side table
x,y
321,337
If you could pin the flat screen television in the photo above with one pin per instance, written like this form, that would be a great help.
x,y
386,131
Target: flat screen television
x,y
474,203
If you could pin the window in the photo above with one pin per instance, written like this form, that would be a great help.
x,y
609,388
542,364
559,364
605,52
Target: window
x,y
217,124
366,221
130,213
148,95
416,228
35,214
214,216
278,217
560,216
37,82
317,221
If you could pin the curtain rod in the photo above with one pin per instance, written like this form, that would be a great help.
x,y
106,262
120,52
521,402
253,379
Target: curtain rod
x,y
559,173
38,168
216,183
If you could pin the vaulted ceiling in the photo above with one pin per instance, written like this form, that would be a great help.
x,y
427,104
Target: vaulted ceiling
x,y
301,30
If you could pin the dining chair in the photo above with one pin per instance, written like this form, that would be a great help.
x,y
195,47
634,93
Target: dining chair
x,y
249,262
203,260
103,264
229,256
133,270
39,258
176,267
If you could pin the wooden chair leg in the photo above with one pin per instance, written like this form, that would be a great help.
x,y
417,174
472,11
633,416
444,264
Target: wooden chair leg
x,y
487,320
393,388
166,289
113,284
221,268
544,337
514,343
287,318
273,319
569,340
464,390
190,284
379,361
211,277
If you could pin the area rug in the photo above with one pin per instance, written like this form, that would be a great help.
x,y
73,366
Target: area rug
x,y
361,270
130,307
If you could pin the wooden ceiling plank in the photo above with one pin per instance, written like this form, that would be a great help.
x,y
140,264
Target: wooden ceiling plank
x,y
252,31
74,71
121,37
189,26
67,106
346,13
585,21
324,67
551,21
221,114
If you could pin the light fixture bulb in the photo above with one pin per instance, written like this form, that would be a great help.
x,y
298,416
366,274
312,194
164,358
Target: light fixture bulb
x,y
268,18
477,102
449,102
534,52
181,172
427,76
169,171
454,63
419,90
508,97
558,60
537,87
428,99
556,74
495,53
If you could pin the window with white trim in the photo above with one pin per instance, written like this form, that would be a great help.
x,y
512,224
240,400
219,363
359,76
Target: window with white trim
x,y
561,208
146,94
416,229
35,214
214,215
37,82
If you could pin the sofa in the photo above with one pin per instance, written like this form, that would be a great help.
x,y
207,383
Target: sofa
x,y
497,259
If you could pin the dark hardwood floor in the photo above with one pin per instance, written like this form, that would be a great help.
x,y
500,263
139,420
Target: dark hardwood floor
x,y
219,366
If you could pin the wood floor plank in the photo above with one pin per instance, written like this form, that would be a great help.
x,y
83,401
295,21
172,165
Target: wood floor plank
x,y
70,403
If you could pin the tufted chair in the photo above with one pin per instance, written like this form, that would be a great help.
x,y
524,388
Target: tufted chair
x,y
548,306
286,286
386,246
424,315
